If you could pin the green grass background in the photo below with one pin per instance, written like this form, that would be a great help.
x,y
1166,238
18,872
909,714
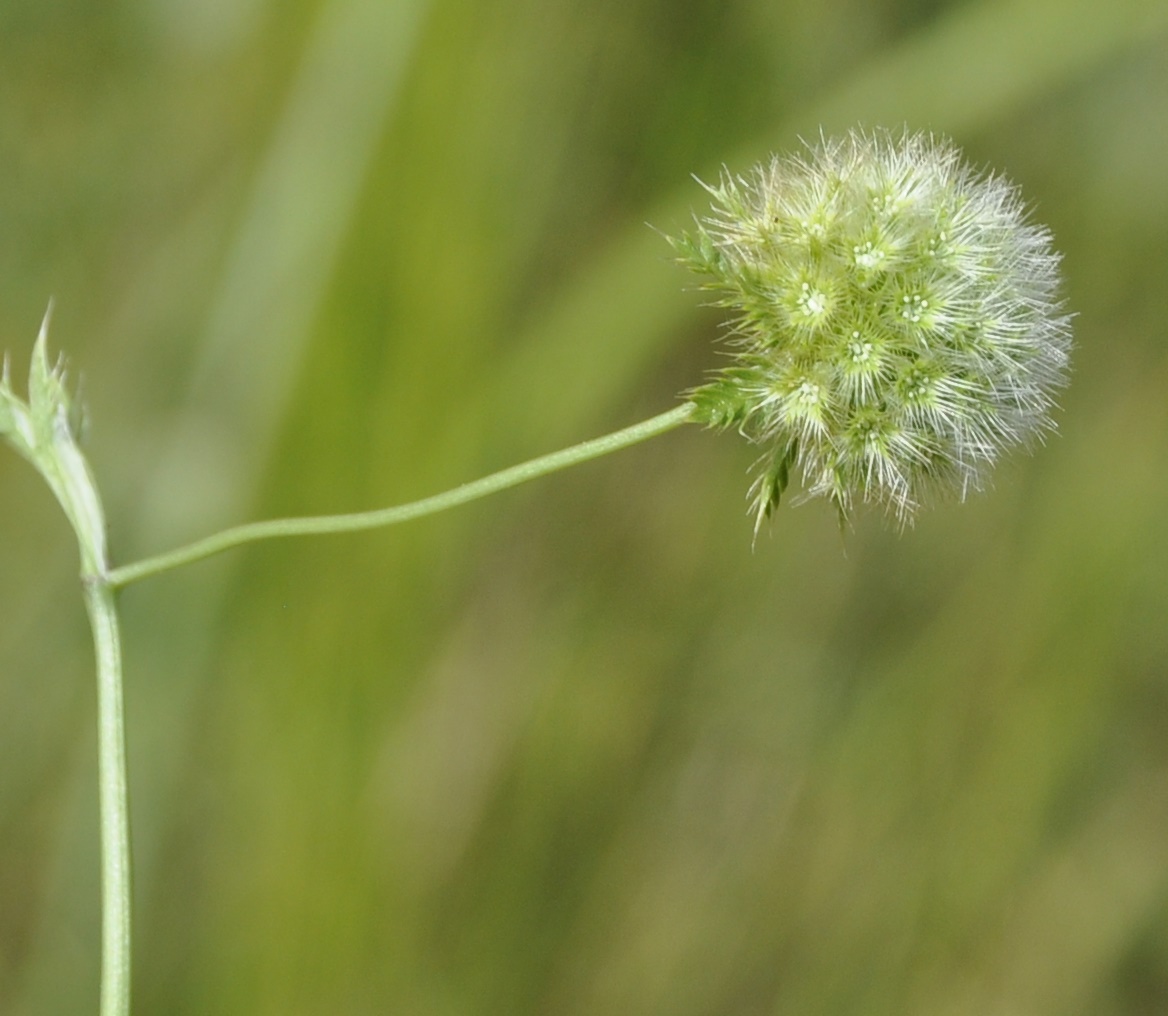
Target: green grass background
x,y
577,749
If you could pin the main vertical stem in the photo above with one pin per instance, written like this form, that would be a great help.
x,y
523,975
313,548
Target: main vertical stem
x,y
113,798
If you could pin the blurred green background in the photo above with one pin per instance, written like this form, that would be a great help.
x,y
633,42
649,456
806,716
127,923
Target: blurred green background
x,y
575,749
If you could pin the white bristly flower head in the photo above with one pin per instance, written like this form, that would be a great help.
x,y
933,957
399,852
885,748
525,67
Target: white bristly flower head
x,y
897,321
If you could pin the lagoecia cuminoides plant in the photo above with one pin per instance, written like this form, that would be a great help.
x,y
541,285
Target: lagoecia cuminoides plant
x,y
894,326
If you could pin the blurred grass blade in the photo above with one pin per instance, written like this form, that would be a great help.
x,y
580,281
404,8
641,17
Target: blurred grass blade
x,y
305,195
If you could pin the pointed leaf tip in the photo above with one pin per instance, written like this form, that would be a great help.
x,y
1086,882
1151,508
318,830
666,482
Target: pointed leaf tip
x,y
47,396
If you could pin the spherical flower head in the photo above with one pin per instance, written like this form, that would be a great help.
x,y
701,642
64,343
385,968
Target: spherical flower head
x,y
897,322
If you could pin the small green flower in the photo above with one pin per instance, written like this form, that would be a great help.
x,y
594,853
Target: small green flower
x,y
897,320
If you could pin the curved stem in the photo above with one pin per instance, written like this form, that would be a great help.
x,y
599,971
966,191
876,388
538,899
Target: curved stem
x,y
113,799
511,477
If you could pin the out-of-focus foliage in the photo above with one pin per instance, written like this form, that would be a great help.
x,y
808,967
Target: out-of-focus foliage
x,y
577,749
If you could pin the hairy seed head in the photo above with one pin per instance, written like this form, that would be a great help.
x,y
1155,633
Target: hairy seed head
x,y
897,322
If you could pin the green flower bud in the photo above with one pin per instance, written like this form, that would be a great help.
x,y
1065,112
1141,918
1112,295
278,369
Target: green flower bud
x,y
897,323
41,429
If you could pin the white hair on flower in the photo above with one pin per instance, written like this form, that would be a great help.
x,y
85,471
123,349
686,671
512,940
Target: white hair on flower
x,y
909,292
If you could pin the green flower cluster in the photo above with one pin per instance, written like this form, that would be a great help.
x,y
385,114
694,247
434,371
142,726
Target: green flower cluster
x,y
897,320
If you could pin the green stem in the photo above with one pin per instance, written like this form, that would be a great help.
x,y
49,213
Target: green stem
x,y
113,797
511,477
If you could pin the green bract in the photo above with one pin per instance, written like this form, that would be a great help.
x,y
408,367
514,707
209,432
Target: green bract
x,y
897,320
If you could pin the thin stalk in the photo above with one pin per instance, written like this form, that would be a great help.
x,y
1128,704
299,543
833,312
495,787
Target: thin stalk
x,y
113,798
347,523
